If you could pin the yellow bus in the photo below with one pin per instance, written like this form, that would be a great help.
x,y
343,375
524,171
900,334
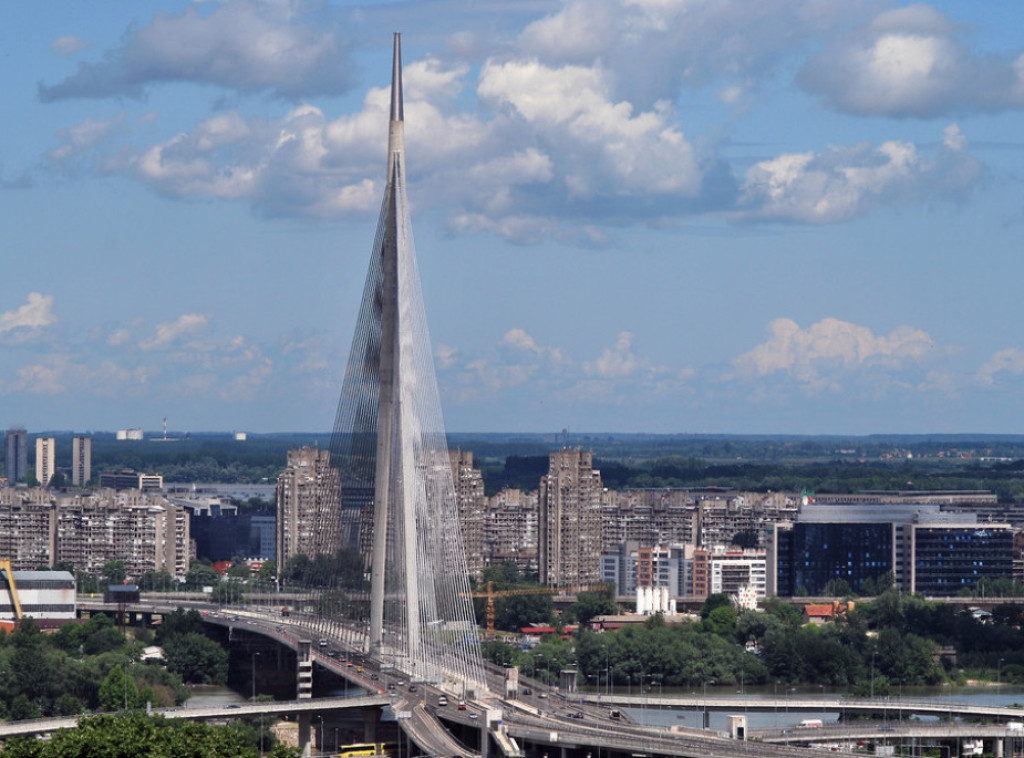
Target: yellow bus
x,y
364,749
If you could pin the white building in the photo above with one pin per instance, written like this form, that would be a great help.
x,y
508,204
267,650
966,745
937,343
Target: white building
x,y
47,596
46,459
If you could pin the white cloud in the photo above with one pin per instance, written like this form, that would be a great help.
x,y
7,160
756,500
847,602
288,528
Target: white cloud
x,y
606,147
1009,360
68,45
910,62
170,331
283,48
32,316
847,182
652,48
83,136
615,362
819,355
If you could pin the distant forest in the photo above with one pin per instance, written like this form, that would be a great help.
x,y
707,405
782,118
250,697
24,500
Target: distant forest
x,y
754,463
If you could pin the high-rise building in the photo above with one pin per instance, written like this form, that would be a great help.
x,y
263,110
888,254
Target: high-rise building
x,y
46,459
300,489
570,522
16,454
81,460
472,503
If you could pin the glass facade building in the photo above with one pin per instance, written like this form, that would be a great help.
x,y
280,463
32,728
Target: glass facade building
x,y
811,555
950,558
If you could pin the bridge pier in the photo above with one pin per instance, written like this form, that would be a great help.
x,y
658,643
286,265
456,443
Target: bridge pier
x,y
306,733
997,748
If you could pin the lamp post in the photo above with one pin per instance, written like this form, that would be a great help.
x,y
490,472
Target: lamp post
x,y
704,722
999,676
255,655
873,654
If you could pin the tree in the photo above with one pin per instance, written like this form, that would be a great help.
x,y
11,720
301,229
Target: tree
x,y
197,659
117,691
137,734
114,572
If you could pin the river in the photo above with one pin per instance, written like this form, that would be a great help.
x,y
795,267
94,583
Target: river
x,y
782,717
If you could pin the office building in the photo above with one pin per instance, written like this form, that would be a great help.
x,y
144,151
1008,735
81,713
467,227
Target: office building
x,y
81,461
129,479
46,463
569,501
920,547
16,454
225,537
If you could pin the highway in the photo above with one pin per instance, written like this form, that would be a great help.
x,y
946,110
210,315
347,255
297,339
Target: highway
x,y
544,721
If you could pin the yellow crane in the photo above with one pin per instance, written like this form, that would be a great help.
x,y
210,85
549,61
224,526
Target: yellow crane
x,y
7,571
492,593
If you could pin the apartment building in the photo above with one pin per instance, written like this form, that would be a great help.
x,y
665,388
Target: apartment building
x,y
570,520
303,489
46,459
81,460
472,505
146,531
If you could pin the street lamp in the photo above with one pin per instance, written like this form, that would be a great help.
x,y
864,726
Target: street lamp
x,y
873,654
704,723
255,655
999,676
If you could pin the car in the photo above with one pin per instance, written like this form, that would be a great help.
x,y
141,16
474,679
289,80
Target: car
x,y
412,688
542,695
462,705
374,677
442,700
473,716
391,685
527,691
332,653
323,642
232,705
576,715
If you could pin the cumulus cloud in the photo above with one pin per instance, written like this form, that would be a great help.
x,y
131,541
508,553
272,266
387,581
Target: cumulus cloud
x,y
911,62
283,48
605,143
169,332
30,317
1009,360
653,48
846,182
815,355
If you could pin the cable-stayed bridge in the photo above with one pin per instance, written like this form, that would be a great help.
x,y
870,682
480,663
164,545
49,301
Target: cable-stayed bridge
x,y
389,494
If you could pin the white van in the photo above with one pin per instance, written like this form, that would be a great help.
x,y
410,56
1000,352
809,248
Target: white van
x,y
810,724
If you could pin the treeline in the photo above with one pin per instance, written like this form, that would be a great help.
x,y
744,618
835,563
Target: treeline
x,y
136,734
821,464
875,648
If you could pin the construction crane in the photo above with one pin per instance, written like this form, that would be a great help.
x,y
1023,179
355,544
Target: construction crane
x,y
492,593
8,572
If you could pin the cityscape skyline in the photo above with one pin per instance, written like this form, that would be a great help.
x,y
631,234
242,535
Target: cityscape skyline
x,y
795,219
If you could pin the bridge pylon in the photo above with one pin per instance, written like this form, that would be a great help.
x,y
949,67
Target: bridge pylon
x,y
390,496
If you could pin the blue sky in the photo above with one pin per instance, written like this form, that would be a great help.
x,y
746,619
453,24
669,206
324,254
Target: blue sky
x,y
788,216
